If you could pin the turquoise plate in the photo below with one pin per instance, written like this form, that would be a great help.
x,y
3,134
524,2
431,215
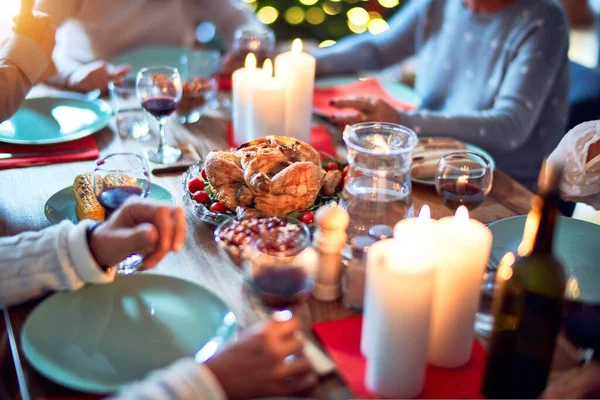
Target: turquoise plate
x,y
576,244
102,337
471,147
61,205
48,120
394,89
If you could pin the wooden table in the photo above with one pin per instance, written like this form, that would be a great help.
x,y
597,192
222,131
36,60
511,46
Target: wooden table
x,y
23,193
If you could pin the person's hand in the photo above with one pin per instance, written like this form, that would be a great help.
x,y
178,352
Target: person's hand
x,y
369,109
96,75
148,228
577,383
39,28
256,365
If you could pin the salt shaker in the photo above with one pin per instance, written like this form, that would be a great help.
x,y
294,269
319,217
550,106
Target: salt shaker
x,y
329,240
354,279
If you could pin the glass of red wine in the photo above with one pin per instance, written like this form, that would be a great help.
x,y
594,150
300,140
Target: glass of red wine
x,y
116,178
159,90
464,178
281,273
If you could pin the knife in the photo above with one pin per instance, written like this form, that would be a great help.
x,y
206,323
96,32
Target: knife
x,y
9,156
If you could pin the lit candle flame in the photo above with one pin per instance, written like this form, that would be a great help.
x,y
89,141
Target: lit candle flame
x,y
505,270
462,215
573,292
425,213
268,67
297,46
250,62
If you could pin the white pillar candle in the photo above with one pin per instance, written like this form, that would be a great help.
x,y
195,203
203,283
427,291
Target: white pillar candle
x,y
267,104
296,70
399,310
463,249
240,84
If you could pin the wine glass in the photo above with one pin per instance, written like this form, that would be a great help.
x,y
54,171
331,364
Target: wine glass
x,y
280,268
116,178
159,90
252,39
463,178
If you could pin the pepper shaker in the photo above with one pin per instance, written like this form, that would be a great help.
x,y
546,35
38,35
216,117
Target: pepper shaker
x,y
354,279
329,240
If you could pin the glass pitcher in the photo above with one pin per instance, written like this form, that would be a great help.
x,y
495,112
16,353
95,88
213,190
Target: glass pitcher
x,y
378,189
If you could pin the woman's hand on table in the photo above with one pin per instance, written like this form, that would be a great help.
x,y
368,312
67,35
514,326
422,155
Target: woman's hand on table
x,y
96,75
256,365
149,228
369,109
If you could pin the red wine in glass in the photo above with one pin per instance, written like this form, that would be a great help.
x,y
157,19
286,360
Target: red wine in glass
x,y
456,194
160,107
113,197
282,287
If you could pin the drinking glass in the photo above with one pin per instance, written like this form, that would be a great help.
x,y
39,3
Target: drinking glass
x,y
252,39
159,90
130,119
281,278
116,178
199,72
463,178
377,188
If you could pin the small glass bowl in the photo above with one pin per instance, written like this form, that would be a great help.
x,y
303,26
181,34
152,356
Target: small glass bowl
x,y
292,235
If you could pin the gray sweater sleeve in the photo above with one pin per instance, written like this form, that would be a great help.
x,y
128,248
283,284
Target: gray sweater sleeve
x,y
366,52
57,258
539,54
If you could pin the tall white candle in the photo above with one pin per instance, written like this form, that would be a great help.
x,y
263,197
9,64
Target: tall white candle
x,y
267,104
421,227
240,83
400,300
296,70
463,249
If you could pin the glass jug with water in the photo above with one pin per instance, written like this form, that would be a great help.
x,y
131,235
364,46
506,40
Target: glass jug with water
x,y
378,189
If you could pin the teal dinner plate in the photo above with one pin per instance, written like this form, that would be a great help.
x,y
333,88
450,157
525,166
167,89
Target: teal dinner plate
x,y
48,120
471,147
576,244
155,56
61,205
102,337
394,89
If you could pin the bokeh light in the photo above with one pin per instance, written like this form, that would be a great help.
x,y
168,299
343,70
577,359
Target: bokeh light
x,y
357,28
389,3
377,26
294,15
332,8
267,15
358,16
327,43
308,2
315,15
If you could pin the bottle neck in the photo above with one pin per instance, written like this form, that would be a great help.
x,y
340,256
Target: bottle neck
x,y
543,237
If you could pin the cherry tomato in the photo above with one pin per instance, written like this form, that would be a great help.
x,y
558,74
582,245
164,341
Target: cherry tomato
x,y
345,171
196,185
201,197
331,166
218,207
308,217
203,173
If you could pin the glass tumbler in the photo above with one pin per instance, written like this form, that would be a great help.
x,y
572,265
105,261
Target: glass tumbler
x,y
199,70
131,122
250,39
377,189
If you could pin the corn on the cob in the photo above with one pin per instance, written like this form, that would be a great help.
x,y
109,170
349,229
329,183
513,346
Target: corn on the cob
x,y
116,179
85,199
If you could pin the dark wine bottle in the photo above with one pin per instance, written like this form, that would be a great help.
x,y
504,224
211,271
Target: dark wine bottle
x,y
527,307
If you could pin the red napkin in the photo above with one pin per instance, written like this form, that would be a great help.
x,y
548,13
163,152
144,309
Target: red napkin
x,y
342,341
84,143
369,87
319,139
